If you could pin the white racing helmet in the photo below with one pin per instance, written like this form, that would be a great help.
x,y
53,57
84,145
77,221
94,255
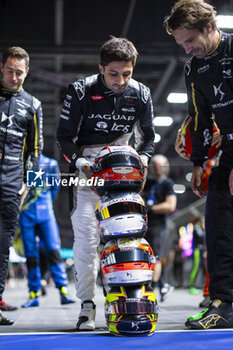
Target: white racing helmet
x,y
127,261
121,169
121,215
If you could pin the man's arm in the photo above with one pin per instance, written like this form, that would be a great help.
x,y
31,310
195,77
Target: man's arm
x,y
197,170
179,146
196,181
231,182
33,144
201,125
146,128
166,207
201,129
34,137
68,127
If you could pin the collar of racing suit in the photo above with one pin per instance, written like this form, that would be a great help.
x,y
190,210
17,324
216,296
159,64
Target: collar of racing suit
x,y
108,92
6,93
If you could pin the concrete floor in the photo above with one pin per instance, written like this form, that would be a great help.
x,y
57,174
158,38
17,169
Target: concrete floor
x,y
51,316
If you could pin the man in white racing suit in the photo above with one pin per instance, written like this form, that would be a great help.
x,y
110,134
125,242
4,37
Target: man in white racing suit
x,y
104,109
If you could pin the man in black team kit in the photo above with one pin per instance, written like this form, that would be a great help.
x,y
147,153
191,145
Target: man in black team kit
x,y
103,109
209,82
20,147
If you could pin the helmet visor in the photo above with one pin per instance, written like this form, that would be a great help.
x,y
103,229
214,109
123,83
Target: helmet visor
x,y
131,307
119,209
123,256
117,159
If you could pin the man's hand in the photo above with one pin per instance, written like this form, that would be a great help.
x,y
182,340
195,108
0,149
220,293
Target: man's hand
x,y
22,189
23,193
179,147
196,181
216,140
231,182
87,170
145,167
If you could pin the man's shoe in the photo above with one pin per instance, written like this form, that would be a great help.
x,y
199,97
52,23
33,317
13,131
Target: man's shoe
x,y
165,291
4,321
218,315
205,302
7,307
193,290
33,300
86,320
65,299
195,317
43,291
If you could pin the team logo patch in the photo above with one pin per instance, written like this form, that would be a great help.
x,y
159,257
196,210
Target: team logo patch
x,y
210,321
96,97
9,118
129,101
80,88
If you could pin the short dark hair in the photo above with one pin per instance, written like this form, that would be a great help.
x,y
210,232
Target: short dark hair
x,y
118,49
16,52
195,14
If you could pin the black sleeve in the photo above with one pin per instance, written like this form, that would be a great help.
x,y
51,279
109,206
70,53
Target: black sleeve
x,y
34,137
69,125
146,128
201,125
169,187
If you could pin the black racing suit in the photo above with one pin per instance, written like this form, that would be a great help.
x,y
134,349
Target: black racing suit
x,y
93,116
20,147
209,84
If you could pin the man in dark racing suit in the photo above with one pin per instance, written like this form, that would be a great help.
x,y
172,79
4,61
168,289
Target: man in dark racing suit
x,y
104,109
209,82
20,140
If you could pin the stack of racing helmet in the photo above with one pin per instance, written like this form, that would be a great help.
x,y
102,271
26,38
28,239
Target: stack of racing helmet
x,y
127,260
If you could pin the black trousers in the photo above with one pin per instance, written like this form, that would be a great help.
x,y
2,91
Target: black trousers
x,y
221,277
210,220
156,236
9,216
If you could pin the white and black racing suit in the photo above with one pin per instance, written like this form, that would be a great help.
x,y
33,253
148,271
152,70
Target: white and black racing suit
x,y
93,116
209,84
20,147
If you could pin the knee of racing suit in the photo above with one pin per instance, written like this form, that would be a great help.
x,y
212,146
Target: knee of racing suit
x,y
6,237
54,257
32,262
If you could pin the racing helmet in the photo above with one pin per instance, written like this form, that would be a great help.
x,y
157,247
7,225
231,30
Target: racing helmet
x,y
121,169
127,261
121,215
187,142
131,311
